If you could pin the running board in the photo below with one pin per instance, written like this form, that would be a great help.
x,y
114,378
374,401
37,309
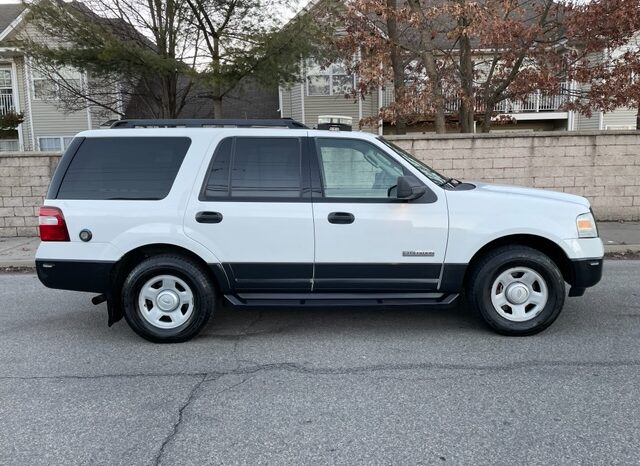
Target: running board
x,y
342,299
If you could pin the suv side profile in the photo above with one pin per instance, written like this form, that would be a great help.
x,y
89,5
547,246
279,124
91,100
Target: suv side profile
x,y
166,221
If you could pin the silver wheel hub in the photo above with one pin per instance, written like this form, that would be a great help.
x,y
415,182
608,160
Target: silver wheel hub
x,y
519,294
166,301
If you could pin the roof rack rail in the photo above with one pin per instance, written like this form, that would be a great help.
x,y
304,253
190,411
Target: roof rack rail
x,y
209,123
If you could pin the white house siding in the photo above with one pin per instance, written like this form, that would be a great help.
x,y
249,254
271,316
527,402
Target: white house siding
x,y
314,106
50,121
588,123
292,102
621,118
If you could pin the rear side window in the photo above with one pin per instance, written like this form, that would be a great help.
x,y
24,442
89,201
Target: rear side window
x,y
142,168
255,168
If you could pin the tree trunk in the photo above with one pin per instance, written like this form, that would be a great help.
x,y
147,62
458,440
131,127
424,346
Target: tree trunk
x,y
486,121
429,62
397,66
638,118
217,107
467,109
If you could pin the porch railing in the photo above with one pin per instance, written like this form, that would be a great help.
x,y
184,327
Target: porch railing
x,y
6,104
535,102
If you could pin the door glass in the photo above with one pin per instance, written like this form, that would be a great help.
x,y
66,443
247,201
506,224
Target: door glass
x,y
256,168
266,167
353,168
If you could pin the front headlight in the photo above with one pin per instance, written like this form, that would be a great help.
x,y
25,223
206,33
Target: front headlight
x,y
586,226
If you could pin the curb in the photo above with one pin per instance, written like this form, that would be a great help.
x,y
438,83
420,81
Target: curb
x,y
612,251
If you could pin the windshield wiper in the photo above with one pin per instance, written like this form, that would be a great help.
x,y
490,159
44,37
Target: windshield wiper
x,y
449,181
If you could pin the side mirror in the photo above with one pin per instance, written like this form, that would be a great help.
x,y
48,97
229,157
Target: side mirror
x,y
408,188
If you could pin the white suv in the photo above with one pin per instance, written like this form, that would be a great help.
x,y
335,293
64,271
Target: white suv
x,y
163,222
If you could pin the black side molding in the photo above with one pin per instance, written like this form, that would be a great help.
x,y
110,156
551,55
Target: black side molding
x,y
342,299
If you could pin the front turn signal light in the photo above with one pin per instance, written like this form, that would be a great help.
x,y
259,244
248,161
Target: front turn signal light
x,y
586,226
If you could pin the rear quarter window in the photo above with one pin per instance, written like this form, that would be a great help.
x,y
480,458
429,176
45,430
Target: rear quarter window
x,y
142,168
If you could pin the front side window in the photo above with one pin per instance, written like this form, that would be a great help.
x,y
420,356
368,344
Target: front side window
x,y
255,168
124,168
422,167
352,168
332,80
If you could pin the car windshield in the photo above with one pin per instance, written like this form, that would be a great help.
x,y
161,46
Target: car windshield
x,y
425,169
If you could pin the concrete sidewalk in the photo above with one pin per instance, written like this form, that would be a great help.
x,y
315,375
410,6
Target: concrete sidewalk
x,y
618,238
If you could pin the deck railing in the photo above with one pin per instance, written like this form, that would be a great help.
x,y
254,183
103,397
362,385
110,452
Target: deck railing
x,y
537,101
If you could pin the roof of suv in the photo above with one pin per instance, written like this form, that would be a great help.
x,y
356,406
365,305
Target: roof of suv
x,y
198,132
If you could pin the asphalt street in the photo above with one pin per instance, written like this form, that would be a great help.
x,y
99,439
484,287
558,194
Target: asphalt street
x,y
334,386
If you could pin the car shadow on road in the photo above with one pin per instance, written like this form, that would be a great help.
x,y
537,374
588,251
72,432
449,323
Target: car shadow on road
x,y
231,323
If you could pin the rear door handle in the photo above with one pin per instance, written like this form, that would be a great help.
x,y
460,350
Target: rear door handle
x,y
341,218
208,217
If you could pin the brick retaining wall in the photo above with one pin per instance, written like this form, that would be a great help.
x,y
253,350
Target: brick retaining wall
x,y
24,178
603,166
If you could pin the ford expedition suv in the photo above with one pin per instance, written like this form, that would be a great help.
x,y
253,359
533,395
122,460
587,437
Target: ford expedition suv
x,y
165,219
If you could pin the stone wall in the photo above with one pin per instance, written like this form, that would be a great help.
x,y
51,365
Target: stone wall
x,y
602,166
24,178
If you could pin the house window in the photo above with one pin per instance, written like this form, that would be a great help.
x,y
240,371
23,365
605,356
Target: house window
x,y
45,88
54,143
332,80
5,79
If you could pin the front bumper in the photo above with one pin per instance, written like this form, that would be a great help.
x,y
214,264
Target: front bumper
x,y
584,273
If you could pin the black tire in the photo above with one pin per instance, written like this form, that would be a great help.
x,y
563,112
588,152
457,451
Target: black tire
x,y
185,269
494,263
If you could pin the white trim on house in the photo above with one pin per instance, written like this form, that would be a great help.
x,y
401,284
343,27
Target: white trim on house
x,y
85,84
531,116
27,91
302,102
14,24
16,100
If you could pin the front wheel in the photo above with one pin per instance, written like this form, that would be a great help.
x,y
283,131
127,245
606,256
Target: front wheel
x,y
167,298
517,290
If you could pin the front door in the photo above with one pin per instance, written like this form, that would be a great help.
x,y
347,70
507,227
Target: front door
x,y
366,239
254,214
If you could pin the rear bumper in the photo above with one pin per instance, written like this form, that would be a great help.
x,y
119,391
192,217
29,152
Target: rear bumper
x,y
91,276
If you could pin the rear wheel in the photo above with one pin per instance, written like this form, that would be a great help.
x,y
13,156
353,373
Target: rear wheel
x,y
168,298
517,290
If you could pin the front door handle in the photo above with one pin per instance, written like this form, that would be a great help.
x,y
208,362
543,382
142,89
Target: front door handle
x,y
341,218
208,217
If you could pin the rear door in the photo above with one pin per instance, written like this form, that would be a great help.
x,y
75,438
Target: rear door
x,y
254,213
367,240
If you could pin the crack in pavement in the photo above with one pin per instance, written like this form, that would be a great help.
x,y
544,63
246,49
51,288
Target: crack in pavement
x,y
302,369
244,334
176,425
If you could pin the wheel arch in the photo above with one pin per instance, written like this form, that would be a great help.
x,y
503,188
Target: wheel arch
x,y
539,243
125,264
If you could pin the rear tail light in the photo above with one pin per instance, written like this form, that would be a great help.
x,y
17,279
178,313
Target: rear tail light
x,y
52,225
